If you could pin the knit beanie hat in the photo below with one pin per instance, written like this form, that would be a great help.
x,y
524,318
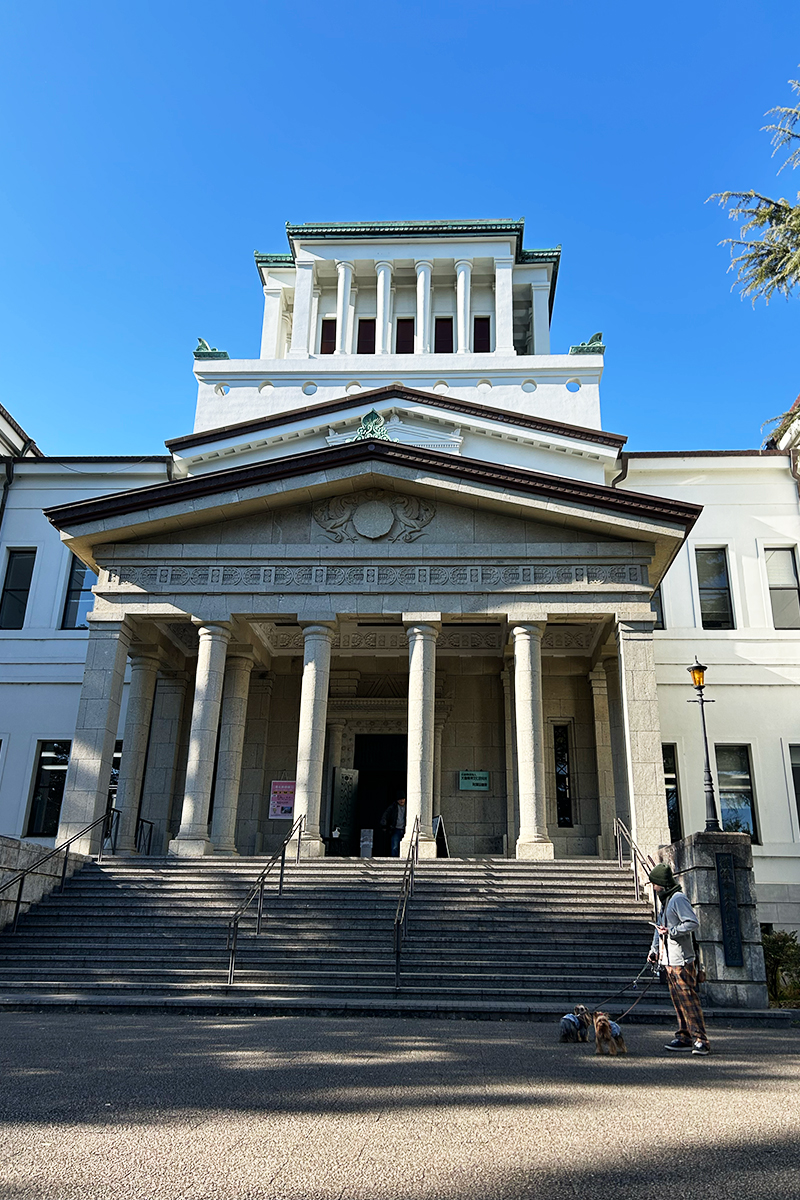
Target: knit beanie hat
x,y
662,875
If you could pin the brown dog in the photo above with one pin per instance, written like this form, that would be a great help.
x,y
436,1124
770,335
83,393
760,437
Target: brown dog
x,y
607,1035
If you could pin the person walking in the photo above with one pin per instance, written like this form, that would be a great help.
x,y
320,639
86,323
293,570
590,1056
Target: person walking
x,y
394,822
673,949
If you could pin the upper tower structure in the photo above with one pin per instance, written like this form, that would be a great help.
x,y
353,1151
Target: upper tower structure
x,y
457,307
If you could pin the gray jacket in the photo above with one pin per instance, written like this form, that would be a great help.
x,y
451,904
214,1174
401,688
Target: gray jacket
x,y
677,948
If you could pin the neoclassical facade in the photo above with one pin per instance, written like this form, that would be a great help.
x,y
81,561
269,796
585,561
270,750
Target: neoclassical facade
x,y
399,554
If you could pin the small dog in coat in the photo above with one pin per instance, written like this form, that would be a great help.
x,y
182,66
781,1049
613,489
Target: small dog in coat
x,y
608,1035
574,1026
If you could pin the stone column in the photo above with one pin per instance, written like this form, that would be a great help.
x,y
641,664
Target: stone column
x,y
193,840
438,731
233,717
463,304
89,773
301,312
507,679
504,305
312,324
421,737
344,284
350,335
144,669
540,319
162,754
382,327
642,729
336,727
271,327
422,339
533,840
606,798
317,642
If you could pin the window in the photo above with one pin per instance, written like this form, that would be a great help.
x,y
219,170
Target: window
x,y
327,342
794,758
481,335
79,599
737,807
443,336
366,336
716,609
16,588
563,786
48,789
783,590
671,789
404,336
658,608
114,783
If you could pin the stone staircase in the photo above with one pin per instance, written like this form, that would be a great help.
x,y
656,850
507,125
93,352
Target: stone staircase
x,y
485,938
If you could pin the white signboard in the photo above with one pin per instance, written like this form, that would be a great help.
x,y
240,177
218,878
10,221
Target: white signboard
x,y
281,800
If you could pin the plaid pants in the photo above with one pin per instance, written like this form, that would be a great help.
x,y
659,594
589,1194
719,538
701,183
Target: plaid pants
x,y
685,997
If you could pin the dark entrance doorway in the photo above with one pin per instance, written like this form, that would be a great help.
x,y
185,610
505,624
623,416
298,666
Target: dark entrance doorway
x,y
380,759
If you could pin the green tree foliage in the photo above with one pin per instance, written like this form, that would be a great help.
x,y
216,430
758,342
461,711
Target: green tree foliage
x,y
770,263
782,961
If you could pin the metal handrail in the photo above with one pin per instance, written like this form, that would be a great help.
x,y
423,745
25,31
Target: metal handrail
x,y
638,859
110,817
406,892
258,890
144,838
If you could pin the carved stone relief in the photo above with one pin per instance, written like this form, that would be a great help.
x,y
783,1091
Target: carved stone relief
x,y
373,514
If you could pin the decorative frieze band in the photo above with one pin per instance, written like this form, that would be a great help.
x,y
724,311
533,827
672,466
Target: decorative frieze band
x,y
380,577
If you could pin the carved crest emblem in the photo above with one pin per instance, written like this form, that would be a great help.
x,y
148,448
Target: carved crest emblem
x,y
373,514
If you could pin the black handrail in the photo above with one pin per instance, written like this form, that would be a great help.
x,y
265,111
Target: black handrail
x,y
406,892
258,889
144,838
638,859
110,818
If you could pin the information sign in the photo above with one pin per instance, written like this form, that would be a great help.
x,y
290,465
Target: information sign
x,y
473,781
281,800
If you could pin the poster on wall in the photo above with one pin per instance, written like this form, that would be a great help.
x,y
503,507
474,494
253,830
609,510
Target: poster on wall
x,y
281,800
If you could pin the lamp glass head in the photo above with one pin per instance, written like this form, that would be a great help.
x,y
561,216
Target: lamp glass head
x,y
698,673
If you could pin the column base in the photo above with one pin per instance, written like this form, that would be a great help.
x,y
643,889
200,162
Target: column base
x,y
535,850
190,847
606,846
231,851
427,847
310,847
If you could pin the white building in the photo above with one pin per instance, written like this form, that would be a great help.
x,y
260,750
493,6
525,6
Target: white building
x,y
398,553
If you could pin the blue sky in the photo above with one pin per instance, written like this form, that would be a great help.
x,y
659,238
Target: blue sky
x,y
148,149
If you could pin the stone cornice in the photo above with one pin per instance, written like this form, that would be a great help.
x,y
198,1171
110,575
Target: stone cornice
x,y
450,404
315,462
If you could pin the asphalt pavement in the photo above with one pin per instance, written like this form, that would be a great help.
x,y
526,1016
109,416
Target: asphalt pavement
x,y
181,1108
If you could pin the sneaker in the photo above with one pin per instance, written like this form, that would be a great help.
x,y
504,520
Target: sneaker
x,y
678,1044
701,1048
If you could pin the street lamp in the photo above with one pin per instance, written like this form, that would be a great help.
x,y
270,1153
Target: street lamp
x,y
698,674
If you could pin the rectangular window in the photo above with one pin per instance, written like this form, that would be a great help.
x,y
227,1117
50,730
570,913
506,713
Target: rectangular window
x,y
48,789
404,336
671,788
114,782
716,609
563,785
443,336
658,608
16,588
366,336
794,758
481,335
784,593
327,342
80,600
736,802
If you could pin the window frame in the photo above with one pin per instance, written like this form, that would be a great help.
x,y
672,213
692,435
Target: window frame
x,y
659,628
358,322
73,559
34,550
765,544
678,789
322,321
395,324
436,318
33,773
755,836
738,616
474,316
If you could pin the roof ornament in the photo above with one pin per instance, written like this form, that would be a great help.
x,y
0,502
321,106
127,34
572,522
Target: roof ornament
x,y
593,346
372,429
203,350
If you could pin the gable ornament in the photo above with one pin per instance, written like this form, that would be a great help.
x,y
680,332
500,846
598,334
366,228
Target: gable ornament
x,y
203,350
372,429
374,514
593,346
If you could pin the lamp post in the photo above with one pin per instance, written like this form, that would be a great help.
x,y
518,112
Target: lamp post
x,y
698,674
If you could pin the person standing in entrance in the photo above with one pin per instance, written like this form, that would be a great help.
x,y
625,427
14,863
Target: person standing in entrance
x,y
394,822
673,949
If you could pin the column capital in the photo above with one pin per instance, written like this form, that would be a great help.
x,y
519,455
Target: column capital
x,y
384,262
598,679
534,629
464,262
504,260
241,650
144,653
304,264
540,287
641,627
421,263
424,629
341,263
272,289
213,628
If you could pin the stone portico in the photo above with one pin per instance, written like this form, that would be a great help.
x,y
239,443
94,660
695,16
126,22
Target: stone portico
x,y
274,615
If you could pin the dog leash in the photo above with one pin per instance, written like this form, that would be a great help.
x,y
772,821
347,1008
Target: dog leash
x,y
627,988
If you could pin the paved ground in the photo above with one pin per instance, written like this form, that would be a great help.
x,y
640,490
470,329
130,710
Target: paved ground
x,y
325,1109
